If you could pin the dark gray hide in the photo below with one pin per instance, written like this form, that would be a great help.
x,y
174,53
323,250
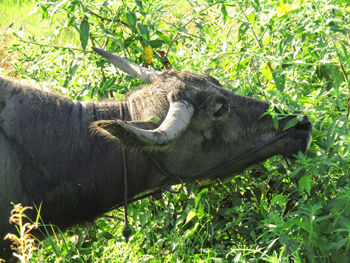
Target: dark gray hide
x,y
50,155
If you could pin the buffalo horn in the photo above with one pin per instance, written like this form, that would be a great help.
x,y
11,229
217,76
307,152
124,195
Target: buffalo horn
x,y
141,73
175,123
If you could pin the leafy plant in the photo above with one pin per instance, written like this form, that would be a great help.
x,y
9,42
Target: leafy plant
x,y
294,54
23,244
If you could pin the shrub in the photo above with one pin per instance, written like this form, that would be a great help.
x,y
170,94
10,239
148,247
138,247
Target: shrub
x,y
293,53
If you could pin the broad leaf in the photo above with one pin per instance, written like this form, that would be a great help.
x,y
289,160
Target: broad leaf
x,y
84,33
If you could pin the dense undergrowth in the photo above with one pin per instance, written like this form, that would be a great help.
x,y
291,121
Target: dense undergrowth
x,y
294,54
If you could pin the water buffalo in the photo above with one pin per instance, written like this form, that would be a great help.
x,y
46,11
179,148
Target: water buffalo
x,y
67,154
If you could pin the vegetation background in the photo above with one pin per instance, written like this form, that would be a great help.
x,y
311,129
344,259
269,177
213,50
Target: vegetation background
x,y
294,54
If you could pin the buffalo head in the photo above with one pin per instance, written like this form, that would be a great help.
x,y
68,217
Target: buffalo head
x,y
202,130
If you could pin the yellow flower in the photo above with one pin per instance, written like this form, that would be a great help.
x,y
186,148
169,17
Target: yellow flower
x,y
149,54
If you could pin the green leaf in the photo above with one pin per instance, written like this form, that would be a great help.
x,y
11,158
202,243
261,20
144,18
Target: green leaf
x,y
74,66
190,216
224,12
45,12
199,196
305,183
279,199
331,134
84,33
155,119
119,42
309,253
143,31
157,43
266,72
191,232
306,100
139,3
243,29
344,49
131,18
256,5
105,235
267,40
164,37
251,17
339,244
200,212
280,79
143,218
291,123
109,83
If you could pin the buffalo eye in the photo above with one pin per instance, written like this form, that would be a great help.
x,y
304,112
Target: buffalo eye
x,y
221,109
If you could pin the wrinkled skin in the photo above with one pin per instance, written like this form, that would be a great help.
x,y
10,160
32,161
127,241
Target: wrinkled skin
x,y
67,155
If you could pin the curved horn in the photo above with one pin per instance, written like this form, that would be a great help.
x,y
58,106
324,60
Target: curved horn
x,y
175,123
141,73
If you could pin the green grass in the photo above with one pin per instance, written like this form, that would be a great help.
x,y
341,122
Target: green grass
x,y
26,19
19,14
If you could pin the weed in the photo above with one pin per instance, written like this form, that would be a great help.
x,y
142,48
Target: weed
x,y
23,244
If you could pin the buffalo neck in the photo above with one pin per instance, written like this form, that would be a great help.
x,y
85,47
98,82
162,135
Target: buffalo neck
x,y
75,174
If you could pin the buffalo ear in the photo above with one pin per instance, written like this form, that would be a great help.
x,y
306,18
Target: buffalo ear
x,y
115,130
147,133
